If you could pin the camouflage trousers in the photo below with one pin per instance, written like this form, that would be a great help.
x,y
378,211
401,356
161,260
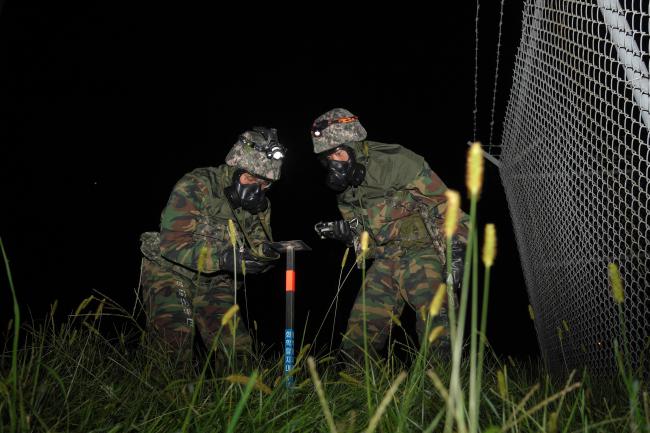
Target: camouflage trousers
x,y
175,304
409,281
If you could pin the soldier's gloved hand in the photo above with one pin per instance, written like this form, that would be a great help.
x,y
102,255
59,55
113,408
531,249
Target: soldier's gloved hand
x,y
341,231
268,252
229,261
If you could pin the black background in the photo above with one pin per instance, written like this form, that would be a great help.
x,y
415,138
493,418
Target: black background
x,y
104,106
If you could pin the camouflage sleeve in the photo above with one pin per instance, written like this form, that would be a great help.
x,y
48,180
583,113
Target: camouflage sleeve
x,y
186,237
258,232
347,211
429,189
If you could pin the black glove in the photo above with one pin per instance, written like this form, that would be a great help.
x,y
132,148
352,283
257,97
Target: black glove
x,y
253,266
457,264
341,231
268,252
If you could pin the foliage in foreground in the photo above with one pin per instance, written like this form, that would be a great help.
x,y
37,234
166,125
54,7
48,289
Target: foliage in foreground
x,y
73,378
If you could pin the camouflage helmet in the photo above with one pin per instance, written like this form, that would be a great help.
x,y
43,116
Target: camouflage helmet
x,y
334,128
258,152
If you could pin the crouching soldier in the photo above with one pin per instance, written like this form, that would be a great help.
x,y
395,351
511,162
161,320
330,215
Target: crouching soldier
x,y
393,194
188,267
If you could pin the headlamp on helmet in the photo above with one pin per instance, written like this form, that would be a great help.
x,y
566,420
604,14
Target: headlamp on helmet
x,y
271,147
319,126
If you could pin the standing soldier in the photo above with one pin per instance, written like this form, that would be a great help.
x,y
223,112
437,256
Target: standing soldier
x,y
187,268
393,195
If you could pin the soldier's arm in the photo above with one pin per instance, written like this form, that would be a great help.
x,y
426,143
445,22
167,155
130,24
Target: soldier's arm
x,y
258,232
179,240
351,237
428,188
346,211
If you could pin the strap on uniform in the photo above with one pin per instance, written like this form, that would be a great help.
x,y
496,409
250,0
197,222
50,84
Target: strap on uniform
x,y
366,153
265,228
241,227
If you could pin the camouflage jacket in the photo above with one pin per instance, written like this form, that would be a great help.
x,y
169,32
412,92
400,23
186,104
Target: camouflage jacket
x,y
401,202
195,223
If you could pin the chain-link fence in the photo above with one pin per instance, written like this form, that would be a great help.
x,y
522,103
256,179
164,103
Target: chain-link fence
x,y
574,164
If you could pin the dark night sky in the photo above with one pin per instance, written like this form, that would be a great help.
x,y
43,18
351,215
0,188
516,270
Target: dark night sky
x,y
105,106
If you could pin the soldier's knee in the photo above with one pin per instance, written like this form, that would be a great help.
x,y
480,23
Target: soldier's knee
x,y
240,342
174,339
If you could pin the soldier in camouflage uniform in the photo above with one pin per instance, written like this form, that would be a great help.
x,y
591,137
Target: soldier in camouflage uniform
x,y
187,268
396,197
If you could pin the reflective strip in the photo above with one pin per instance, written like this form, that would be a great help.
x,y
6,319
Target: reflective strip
x,y
291,281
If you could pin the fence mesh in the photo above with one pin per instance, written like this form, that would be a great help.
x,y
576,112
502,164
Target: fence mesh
x,y
574,164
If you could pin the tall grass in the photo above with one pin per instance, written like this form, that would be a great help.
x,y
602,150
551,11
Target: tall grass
x,y
74,379
80,376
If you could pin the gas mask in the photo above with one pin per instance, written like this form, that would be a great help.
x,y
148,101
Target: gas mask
x,y
341,174
250,197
